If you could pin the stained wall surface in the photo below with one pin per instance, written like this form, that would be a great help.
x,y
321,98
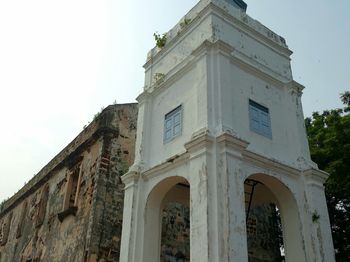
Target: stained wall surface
x,y
35,225
72,209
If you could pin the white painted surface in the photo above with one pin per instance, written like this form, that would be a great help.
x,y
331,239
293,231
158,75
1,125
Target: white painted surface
x,y
256,66
212,67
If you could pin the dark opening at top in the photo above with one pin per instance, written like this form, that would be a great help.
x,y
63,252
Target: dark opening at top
x,y
240,4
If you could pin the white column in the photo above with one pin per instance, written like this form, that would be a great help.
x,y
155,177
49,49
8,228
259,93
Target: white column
x,y
317,215
143,131
129,216
238,250
199,241
199,235
231,188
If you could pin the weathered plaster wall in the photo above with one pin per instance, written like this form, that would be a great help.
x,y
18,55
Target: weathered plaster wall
x,y
33,226
246,34
288,144
212,65
182,92
104,151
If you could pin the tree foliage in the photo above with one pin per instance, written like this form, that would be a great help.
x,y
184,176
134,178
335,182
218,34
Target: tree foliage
x,y
329,140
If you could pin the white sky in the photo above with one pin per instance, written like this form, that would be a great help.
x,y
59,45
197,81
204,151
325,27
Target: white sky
x,y
61,61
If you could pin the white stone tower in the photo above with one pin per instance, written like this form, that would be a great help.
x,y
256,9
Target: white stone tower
x,y
219,107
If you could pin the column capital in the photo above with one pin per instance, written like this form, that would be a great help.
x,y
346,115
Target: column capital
x,y
132,177
232,141
200,140
315,177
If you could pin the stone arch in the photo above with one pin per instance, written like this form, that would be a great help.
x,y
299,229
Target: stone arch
x,y
275,191
156,200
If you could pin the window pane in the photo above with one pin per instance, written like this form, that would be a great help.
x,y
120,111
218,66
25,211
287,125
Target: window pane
x,y
254,113
173,124
168,123
255,125
259,119
177,129
264,119
177,118
168,135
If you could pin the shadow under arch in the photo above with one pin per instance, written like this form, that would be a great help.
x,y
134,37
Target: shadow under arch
x,y
273,190
153,215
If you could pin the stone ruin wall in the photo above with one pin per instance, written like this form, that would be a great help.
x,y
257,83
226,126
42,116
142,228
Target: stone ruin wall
x,y
262,230
40,223
264,234
175,233
117,155
35,224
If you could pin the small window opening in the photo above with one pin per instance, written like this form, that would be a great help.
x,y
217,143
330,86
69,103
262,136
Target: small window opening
x,y
70,203
173,124
259,119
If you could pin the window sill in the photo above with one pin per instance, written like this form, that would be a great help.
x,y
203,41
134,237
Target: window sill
x,y
67,212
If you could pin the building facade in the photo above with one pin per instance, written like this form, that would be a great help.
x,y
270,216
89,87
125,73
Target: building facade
x,y
220,120
220,150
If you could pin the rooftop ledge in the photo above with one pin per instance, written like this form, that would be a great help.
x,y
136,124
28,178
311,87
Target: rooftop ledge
x,y
237,14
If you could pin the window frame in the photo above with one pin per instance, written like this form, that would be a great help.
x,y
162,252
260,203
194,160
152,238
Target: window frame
x,y
175,118
259,119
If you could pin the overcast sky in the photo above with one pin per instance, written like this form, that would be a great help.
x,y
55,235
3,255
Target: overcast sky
x,y
61,61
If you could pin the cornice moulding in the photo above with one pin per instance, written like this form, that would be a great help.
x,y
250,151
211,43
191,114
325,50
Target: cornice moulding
x,y
170,163
242,61
216,8
315,177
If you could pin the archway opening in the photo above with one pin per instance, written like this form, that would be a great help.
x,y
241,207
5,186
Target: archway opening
x,y
272,221
167,229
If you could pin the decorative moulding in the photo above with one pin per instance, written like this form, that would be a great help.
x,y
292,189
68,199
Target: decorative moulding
x,y
315,177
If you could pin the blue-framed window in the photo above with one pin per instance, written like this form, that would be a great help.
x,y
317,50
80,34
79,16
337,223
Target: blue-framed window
x,y
259,119
173,124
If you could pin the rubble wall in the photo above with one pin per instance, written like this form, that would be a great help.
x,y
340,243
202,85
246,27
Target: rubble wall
x,y
35,225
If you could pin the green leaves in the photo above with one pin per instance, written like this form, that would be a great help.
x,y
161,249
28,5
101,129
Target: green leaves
x,y
160,40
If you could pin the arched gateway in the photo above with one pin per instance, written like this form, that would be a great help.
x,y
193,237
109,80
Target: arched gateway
x,y
220,108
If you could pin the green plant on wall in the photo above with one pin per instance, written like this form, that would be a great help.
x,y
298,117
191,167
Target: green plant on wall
x,y
2,204
98,113
315,216
158,78
185,23
160,40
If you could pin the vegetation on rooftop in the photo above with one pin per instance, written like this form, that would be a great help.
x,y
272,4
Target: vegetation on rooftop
x,y
160,39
